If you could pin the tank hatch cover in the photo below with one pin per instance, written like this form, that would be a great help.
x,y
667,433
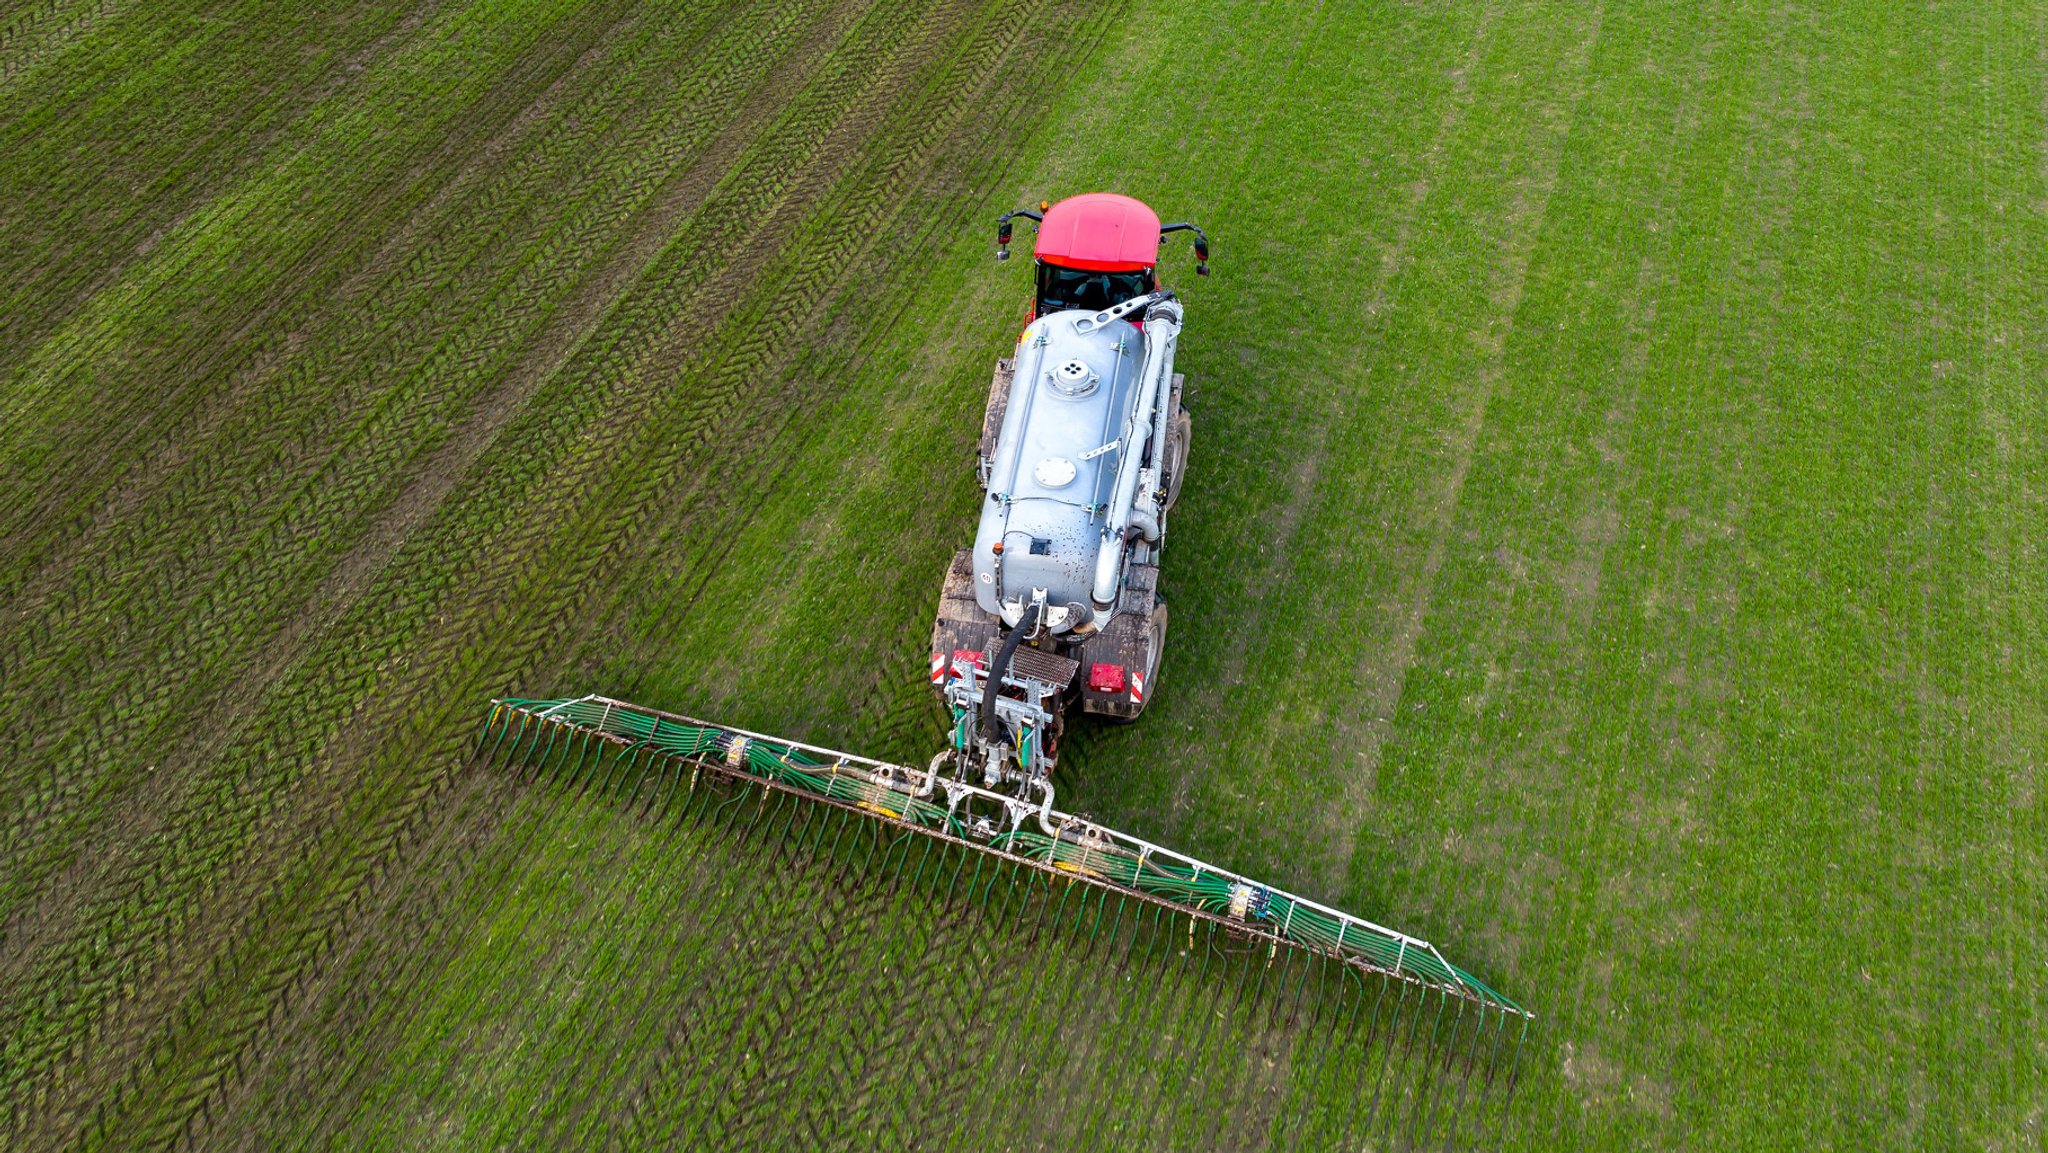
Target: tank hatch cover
x,y
1054,472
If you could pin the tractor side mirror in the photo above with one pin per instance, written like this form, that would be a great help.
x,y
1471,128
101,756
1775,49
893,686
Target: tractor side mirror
x,y
1201,256
1003,241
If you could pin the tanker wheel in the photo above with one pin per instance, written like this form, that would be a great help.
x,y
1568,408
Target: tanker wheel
x,y
1177,455
1155,655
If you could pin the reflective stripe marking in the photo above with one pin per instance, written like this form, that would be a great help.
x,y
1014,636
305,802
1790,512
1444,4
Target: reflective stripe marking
x,y
938,667
1137,688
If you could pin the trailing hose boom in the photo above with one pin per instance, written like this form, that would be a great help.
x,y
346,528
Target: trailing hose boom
x,y
658,756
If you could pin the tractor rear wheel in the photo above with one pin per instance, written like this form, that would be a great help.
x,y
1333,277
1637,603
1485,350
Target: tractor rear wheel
x,y
1154,657
1177,455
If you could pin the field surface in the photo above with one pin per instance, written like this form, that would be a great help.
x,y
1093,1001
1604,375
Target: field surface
x,y
1616,549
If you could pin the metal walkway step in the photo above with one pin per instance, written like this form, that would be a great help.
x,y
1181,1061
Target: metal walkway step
x,y
1044,667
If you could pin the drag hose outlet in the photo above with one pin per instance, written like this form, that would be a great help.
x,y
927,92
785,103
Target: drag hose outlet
x,y
1025,624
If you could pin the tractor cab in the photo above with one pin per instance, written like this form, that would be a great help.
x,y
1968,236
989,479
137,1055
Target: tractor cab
x,y
1061,288
1095,251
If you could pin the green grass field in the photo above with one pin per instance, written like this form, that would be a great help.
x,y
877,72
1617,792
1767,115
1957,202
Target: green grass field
x,y
1614,550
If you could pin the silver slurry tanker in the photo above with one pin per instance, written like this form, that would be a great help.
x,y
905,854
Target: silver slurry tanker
x,y
1074,470
1084,444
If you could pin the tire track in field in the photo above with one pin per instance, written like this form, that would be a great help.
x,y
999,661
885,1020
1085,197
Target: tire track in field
x,y
308,1061
1094,1072
778,869
1144,970
879,1059
690,190
659,1078
1042,1047
1004,21
1191,1051
743,491
886,963
160,137
1335,1023
572,546
388,1013
857,213
117,648
568,1098
41,29
567,330
277,654
1163,1047
993,1011
391,1012
386,260
1219,1000
373,280
1030,1043
280,413
686,1080
148,529
230,271
713,931
1030,1015
789,1000
434,1019
965,1013
538,355
315,1060
1150,993
947,1018
774,836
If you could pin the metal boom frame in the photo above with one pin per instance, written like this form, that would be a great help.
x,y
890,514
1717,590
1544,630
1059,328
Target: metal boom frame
x,y
960,813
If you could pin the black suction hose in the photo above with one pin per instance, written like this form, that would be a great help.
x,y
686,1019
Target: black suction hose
x,y
1027,623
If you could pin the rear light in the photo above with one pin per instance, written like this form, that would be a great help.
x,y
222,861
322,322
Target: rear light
x,y
1105,678
941,667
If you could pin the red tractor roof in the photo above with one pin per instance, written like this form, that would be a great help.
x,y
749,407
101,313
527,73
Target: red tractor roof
x,y
1100,231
